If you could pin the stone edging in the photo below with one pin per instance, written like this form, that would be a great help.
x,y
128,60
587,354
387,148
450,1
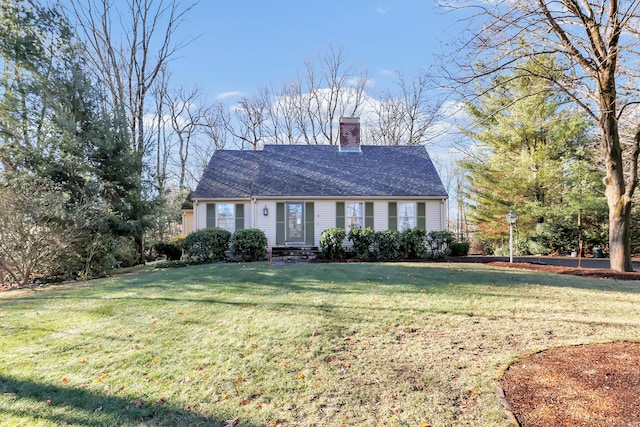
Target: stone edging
x,y
508,411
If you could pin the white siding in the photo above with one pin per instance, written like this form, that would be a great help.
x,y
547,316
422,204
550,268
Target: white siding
x,y
325,212
200,215
248,215
325,216
266,223
380,216
434,215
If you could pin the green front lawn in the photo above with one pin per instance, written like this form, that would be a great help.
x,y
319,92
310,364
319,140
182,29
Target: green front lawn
x,y
298,345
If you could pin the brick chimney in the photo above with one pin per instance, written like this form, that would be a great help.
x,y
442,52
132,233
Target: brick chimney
x,y
350,134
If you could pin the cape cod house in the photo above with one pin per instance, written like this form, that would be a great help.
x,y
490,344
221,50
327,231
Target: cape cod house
x,y
295,192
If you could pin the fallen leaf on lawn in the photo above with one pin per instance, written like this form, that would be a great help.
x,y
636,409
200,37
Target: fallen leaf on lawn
x,y
244,401
98,409
425,425
65,379
136,403
231,423
301,376
48,402
160,401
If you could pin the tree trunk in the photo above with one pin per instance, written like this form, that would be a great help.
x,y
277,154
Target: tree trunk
x,y
617,195
619,237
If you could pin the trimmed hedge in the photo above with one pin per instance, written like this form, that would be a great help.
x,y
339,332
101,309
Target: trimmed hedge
x,y
362,238
331,243
459,248
208,244
387,244
249,244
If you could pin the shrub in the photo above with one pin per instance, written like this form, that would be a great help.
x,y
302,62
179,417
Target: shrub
x,y
459,248
125,252
331,243
387,244
412,243
362,238
175,264
438,243
249,244
168,249
208,244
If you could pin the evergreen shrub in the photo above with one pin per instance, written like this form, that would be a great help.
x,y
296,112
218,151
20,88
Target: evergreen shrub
x,y
331,243
249,244
362,238
387,244
208,244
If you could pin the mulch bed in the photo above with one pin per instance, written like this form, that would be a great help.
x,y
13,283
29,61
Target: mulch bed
x,y
593,385
602,273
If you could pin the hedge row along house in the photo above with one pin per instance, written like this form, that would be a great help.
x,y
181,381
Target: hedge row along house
x,y
295,192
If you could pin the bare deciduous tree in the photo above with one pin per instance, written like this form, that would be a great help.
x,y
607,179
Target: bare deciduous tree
x,y
336,92
188,118
595,45
252,115
406,117
129,49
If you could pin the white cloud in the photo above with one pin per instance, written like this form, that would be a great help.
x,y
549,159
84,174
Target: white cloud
x,y
454,110
230,94
387,72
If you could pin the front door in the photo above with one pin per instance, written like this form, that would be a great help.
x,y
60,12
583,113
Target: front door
x,y
295,223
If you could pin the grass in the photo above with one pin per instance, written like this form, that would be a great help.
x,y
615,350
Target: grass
x,y
292,345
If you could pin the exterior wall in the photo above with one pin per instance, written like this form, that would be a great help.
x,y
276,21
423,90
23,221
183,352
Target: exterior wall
x,y
435,217
187,221
324,215
325,211
266,223
380,215
200,213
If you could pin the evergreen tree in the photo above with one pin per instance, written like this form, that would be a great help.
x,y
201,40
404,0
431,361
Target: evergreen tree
x,y
534,155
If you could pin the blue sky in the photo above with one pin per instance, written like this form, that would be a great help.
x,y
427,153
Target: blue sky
x,y
243,45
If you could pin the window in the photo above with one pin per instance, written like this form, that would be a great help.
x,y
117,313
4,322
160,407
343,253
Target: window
x,y
225,216
354,215
406,215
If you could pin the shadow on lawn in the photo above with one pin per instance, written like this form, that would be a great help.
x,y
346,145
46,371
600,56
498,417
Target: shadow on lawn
x,y
77,406
334,278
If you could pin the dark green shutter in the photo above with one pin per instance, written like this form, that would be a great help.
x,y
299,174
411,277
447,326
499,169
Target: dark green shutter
x,y
309,231
368,214
393,216
340,215
239,216
422,217
211,215
280,224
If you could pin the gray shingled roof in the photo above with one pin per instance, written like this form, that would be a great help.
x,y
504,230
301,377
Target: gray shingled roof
x,y
321,171
229,175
